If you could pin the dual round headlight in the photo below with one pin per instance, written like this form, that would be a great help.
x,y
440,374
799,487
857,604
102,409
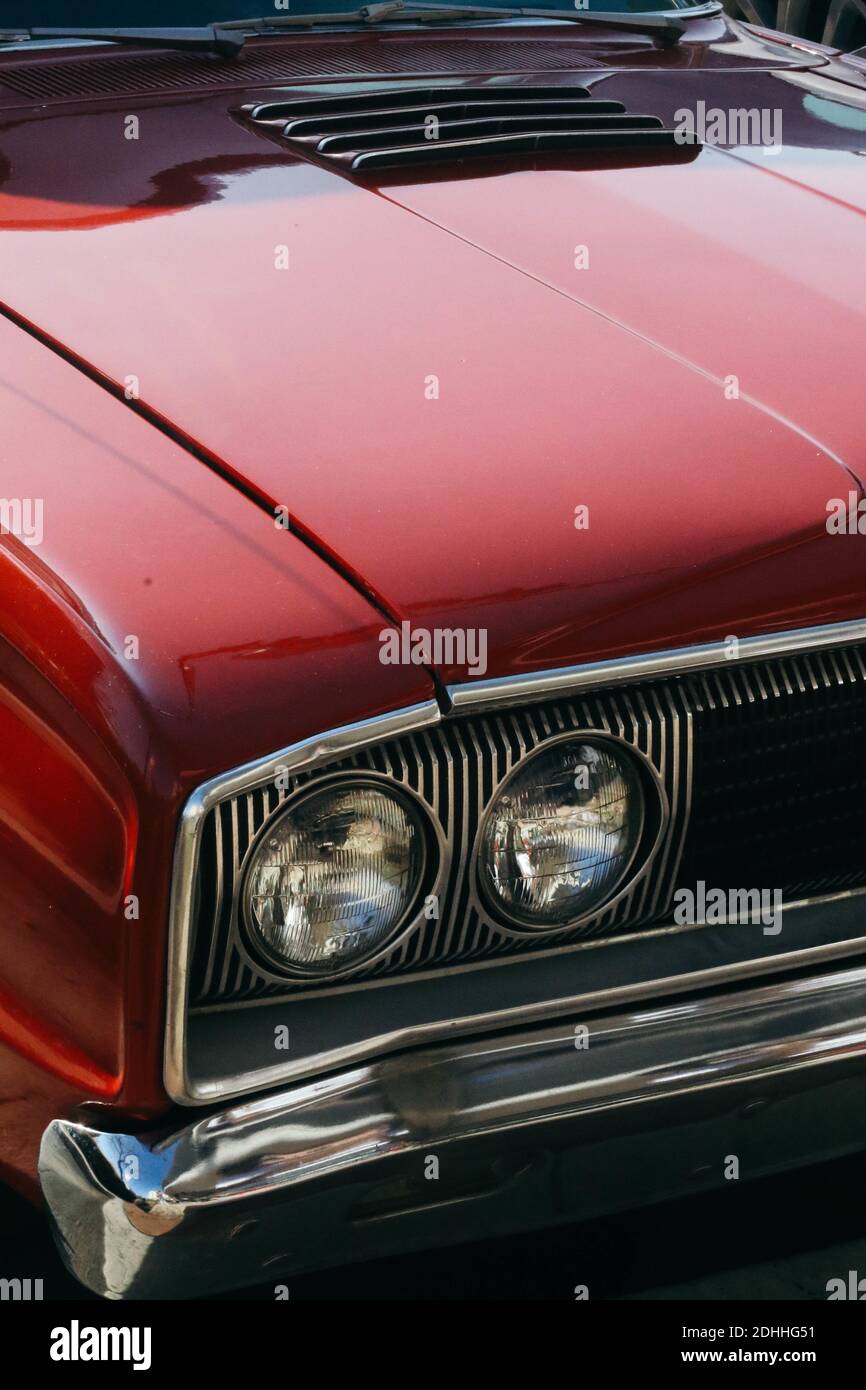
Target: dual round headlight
x,y
340,872
561,834
335,876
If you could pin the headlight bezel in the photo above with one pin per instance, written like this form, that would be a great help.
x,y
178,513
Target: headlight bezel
x,y
655,817
433,871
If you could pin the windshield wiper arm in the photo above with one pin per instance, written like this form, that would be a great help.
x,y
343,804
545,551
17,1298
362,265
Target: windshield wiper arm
x,y
211,38
227,37
657,26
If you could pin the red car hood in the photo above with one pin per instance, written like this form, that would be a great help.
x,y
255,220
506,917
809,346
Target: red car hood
x,y
434,388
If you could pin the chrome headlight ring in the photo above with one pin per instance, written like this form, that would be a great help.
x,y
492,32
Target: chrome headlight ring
x,y
431,869
649,833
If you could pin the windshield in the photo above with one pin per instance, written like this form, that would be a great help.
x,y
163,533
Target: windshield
x,y
75,14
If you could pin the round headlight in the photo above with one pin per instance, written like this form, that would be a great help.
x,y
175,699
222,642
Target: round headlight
x,y
334,876
561,833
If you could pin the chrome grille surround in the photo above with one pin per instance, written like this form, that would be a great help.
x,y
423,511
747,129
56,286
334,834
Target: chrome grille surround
x,y
841,667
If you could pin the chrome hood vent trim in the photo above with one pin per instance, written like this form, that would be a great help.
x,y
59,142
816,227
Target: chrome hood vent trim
x,y
367,131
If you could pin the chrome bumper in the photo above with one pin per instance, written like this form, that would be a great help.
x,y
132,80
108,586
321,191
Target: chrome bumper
x,y
467,1141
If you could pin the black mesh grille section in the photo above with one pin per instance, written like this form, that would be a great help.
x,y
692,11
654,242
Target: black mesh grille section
x,y
780,776
764,767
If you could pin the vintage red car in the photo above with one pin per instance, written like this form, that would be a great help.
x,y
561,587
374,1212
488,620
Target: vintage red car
x,y
433,627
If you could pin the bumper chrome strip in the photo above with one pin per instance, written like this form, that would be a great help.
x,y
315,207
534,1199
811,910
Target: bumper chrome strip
x,y
336,1170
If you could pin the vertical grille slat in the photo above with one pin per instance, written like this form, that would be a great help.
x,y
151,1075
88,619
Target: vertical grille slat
x,y
218,879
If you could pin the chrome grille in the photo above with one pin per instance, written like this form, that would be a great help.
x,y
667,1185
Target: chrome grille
x,y
455,767
764,766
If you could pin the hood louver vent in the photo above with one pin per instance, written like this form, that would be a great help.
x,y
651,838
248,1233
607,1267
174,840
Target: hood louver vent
x,y
363,131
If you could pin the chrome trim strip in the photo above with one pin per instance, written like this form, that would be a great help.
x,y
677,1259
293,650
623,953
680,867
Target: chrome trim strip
x,y
333,1169
312,752
617,995
385,1044
673,661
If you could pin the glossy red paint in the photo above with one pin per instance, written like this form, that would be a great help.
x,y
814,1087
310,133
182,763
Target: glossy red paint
x,y
246,642
311,382
154,260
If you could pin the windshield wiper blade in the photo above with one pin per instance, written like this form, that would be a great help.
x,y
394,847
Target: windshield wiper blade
x,y
657,26
368,14
227,37
211,38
